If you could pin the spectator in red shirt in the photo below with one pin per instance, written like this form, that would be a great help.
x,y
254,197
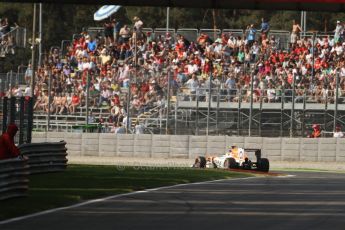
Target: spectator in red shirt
x,y
75,103
316,131
7,147
145,87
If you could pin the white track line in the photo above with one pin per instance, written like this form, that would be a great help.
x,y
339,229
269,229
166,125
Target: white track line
x,y
119,196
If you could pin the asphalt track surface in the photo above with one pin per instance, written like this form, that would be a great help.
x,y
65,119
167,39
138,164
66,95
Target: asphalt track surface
x,y
309,200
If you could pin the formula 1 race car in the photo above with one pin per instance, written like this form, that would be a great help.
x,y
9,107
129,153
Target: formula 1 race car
x,y
235,158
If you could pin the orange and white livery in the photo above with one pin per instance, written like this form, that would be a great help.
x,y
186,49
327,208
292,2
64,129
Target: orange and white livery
x,y
234,158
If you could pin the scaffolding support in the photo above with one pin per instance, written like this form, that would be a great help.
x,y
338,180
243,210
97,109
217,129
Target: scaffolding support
x,y
251,105
336,101
293,105
49,99
290,116
209,103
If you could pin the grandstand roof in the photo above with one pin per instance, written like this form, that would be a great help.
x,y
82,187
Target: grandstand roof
x,y
312,5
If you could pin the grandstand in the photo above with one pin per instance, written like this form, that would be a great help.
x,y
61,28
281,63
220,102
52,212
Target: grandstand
x,y
277,88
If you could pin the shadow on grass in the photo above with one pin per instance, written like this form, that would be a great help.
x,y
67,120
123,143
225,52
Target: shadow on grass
x,y
79,183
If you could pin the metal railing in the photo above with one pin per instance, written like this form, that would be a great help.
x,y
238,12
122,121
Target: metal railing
x,y
161,32
20,37
212,33
191,34
234,32
283,111
16,38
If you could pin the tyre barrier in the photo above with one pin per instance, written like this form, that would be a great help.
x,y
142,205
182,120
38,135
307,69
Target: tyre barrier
x,y
45,157
14,181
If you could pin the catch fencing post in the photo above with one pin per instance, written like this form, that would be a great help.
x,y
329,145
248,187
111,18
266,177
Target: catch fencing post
x,y
12,109
49,98
5,114
87,100
293,105
21,120
30,120
251,104
336,101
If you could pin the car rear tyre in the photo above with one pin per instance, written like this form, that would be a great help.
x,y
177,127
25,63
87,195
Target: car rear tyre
x,y
264,165
230,163
200,162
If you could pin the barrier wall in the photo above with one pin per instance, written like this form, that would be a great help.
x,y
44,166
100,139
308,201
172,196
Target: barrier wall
x,y
183,146
45,156
13,178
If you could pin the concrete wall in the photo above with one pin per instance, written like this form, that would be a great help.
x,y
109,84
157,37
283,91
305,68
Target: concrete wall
x,y
183,146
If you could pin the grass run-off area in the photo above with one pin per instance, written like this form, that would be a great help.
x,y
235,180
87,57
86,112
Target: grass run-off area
x,y
79,183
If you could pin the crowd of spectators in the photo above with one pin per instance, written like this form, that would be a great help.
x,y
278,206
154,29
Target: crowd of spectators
x,y
125,58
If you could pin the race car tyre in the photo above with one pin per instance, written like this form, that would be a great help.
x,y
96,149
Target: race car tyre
x,y
200,162
264,165
233,163
230,163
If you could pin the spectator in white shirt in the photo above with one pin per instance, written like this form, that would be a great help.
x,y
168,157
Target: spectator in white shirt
x,y
18,91
338,132
28,74
338,49
138,24
192,68
105,94
139,128
121,129
27,91
271,93
338,31
192,84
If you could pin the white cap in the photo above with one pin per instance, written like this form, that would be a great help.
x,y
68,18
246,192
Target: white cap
x,y
338,21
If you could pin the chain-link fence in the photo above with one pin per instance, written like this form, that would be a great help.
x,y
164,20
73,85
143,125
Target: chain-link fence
x,y
12,80
16,38
19,35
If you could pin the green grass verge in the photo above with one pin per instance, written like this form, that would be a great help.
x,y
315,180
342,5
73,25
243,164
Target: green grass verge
x,y
79,183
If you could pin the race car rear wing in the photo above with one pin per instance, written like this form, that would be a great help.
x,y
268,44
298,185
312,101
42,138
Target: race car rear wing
x,y
256,151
